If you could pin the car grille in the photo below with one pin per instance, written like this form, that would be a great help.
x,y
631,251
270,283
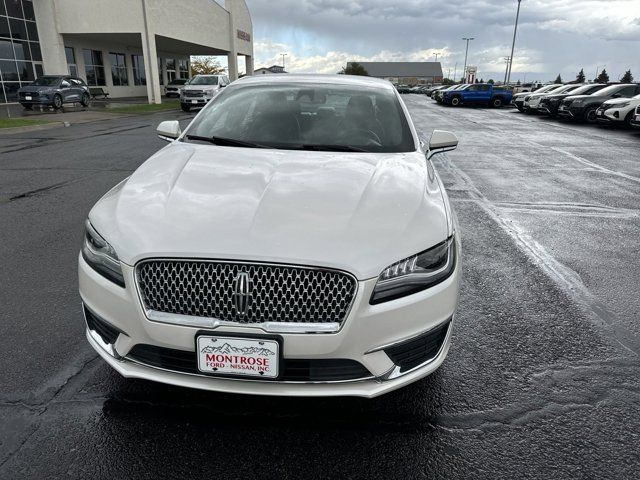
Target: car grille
x,y
418,350
638,110
193,93
276,293
567,103
292,370
31,94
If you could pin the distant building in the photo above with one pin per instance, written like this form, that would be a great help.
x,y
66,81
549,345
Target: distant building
x,y
405,73
269,70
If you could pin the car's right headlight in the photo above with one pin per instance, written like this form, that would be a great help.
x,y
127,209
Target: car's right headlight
x,y
101,256
416,273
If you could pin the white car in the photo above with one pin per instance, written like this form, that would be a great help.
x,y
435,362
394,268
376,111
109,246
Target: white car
x,y
619,111
200,90
532,101
294,240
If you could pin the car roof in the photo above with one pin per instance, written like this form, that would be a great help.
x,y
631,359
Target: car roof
x,y
351,80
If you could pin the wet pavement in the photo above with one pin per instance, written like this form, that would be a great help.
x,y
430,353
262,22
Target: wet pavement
x,y
542,380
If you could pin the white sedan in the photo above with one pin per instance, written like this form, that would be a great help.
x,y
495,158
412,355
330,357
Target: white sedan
x,y
295,239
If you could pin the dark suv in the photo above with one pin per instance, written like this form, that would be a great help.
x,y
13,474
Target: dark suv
x,y
550,103
54,91
583,107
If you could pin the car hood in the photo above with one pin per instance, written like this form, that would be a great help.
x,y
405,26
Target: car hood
x,y
353,211
619,101
199,87
36,88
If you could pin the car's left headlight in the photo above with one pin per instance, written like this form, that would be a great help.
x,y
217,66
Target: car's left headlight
x,y
416,273
101,256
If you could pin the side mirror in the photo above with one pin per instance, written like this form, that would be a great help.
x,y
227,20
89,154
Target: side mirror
x,y
169,130
441,141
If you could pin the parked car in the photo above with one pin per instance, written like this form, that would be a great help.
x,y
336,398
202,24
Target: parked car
x,y
220,265
550,103
438,95
433,88
402,89
618,111
478,94
200,90
54,91
532,101
635,120
174,87
584,107
518,99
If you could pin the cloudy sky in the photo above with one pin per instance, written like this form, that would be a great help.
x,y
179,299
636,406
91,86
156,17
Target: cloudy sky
x,y
554,36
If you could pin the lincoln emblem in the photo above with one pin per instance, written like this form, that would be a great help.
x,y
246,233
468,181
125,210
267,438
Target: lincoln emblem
x,y
242,293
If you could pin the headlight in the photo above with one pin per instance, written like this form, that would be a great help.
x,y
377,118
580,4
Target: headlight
x,y
416,273
101,256
526,99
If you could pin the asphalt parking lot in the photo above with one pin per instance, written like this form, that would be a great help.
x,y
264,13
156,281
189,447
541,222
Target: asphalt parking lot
x,y
542,380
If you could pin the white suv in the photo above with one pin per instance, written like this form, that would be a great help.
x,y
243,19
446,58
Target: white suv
x,y
200,90
618,111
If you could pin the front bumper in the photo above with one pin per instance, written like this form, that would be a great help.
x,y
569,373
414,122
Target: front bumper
x,y
609,116
195,101
635,120
366,336
571,111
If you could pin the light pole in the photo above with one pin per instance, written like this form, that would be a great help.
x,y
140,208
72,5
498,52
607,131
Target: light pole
x,y
598,71
466,53
283,55
506,72
455,73
513,45
436,54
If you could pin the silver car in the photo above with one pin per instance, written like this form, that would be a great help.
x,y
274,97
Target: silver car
x,y
200,90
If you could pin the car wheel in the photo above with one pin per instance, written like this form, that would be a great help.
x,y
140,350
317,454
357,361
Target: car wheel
x,y
628,118
590,115
455,102
84,101
496,102
185,108
57,101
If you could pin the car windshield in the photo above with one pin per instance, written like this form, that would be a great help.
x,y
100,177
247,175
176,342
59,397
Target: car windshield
x,y
610,90
305,116
546,88
47,81
204,80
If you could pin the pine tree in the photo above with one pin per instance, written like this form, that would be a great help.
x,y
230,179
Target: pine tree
x,y
627,77
603,77
581,78
558,79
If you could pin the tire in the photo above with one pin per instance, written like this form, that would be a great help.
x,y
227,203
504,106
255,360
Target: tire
x,y
84,101
520,109
185,107
627,119
456,102
590,115
57,102
496,102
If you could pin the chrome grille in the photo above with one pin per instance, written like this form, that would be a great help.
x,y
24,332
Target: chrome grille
x,y
193,93
279,293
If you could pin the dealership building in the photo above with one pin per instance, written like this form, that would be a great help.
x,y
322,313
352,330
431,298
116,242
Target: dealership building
x,y
405,73
129,48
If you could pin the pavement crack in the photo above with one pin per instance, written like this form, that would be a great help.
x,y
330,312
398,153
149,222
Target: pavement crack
x,y
37,191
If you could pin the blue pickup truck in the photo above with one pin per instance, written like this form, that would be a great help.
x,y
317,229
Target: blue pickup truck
x,y
478,93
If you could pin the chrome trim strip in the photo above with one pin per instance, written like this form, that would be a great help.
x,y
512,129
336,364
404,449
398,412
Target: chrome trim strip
x,y
271,327
213,323
358,380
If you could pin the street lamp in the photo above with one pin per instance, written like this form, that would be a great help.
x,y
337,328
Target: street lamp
x,y
466,53
283,55
436,54
506,72
598,71
513,45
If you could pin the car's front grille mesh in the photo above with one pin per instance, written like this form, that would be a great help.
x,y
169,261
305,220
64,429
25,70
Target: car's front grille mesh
x,y
275,293
193,93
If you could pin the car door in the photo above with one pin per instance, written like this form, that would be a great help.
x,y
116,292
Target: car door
x,y
77,88
472,94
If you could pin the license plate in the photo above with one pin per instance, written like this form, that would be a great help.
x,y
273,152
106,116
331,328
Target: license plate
x,y
28,97
600,113
194,101
246,357
562,107
637,118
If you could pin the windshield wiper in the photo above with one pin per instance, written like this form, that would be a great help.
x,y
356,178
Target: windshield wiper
x,y
225,142
332,148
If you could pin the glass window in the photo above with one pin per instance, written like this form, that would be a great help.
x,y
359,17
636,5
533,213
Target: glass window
x,y
32,31
18,29
118,69
4,27
25,71
72,66
14,8
183,68
9,70
160,71
36,54
93,67
139,76
6,49
628,92
3,11
29,14
22,50
11,91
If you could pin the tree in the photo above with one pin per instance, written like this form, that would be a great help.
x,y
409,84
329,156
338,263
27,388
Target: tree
x,y
491,81
580,78
448,81
627,77
354,68
558,79
206,66
603,77
482,80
